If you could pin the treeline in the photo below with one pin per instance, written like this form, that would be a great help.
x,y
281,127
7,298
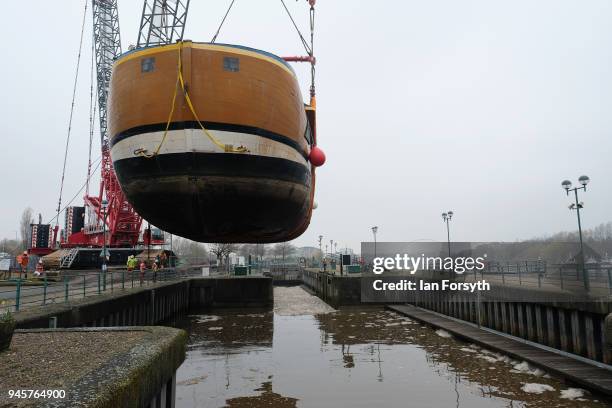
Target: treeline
x,y
191,251
600,233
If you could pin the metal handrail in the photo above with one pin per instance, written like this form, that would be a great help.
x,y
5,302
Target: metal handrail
x,y
22,294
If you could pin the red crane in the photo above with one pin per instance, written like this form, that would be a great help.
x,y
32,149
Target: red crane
x,y
110,217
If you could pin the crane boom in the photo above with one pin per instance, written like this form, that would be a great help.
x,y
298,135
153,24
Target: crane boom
x,y
107,40
162,22
111,219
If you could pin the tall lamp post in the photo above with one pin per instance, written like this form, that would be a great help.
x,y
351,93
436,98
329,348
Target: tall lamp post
x,y
567,185
446,217
374,231
331,257
104,208
321,250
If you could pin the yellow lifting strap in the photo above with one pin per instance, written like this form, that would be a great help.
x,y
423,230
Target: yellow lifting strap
x,y
179,80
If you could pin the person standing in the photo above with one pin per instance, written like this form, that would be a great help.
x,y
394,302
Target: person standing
x,y
132,263
23,263
143,266
40,268
163,259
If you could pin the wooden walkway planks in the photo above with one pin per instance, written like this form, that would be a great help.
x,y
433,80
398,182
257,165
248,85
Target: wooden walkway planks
x,y
588,376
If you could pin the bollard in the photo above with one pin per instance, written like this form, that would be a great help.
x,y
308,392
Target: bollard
x,y
539,280
45,290
104,277
122,279
18,295
65,289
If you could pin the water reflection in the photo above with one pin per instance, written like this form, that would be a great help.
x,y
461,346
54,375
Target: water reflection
x,y
484,373
266,399
357,358
229,329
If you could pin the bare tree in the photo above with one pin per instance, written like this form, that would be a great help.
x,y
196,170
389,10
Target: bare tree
x,y
260,250
256,250
10,246
284,249
190,251
24,227
222,251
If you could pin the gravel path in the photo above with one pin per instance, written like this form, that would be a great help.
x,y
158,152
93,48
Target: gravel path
x,y
53,360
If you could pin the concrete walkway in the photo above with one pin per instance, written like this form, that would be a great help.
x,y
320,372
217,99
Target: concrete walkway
x,y
587,375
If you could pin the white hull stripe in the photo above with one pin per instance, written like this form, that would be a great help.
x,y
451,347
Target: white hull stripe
x,y
194,140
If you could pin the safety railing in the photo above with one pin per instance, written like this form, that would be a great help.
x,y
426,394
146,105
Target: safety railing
x,y
594,278
285,272
19,294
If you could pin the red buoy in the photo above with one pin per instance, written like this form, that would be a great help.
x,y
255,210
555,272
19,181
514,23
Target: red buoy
x,y
317,157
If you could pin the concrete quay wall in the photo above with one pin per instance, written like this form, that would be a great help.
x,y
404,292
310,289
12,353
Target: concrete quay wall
x,y
564,321
150,305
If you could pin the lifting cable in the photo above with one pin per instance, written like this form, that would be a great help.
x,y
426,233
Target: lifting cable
x,y
97,164
142,152
304,42
92,112
312,63
180,81
309,48
76,77
222,21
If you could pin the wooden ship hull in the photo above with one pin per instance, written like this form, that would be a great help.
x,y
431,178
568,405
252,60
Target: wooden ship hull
x,y
218,153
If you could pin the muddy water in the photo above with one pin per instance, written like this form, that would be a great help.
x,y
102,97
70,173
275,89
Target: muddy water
x,y
304,354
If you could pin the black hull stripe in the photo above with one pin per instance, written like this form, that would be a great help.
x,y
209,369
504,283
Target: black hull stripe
x,y
211,164
160,127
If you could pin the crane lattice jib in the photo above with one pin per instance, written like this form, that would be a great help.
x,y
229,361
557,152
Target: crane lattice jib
x,y
162,22
118,215
108,47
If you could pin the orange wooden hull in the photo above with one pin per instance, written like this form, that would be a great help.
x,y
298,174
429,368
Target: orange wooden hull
x,y
245,177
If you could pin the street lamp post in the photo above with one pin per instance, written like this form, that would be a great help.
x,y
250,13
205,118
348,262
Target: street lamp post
x,y
374,231
321,251
104,208
447,216
567,185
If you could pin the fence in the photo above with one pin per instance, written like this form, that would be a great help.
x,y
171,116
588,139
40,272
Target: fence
x,y
596,278
288,272
23,294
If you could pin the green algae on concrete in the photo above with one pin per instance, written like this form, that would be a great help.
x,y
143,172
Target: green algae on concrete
x,y
7,326
102,367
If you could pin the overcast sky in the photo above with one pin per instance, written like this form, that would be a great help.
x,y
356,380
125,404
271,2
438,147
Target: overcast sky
x,y
481,107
